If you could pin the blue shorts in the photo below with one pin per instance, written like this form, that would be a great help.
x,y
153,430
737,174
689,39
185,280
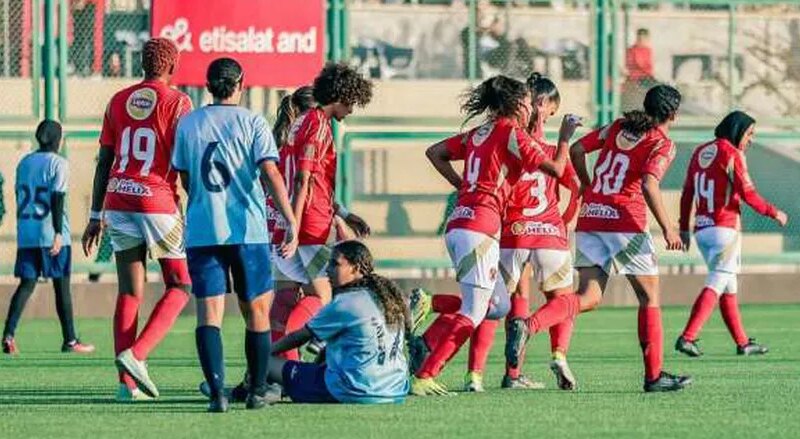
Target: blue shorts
x,y
33,263
305,382
212,268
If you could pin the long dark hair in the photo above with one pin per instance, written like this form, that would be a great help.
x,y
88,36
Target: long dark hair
x,y
660,104
541,87
292,105
388,295
499,95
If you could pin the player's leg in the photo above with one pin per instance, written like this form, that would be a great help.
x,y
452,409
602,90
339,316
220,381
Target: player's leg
x,y
729,308
59,269
476,258
253,284
15,307
287,294
651,335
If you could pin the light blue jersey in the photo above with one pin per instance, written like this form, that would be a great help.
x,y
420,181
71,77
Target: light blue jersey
x,y
365,361
39,175
221,148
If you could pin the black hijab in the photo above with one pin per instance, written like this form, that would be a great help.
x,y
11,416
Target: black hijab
x,y
733,127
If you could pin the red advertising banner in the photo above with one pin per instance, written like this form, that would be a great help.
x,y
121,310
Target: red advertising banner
x,y
280,43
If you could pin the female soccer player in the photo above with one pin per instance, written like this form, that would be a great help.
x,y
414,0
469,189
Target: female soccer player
x,y
495,154
364,327
716,184
612,237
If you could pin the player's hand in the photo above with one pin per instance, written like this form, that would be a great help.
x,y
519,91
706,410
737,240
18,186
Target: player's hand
x,y
289,246
673,239
55,249
569,124
686,238
781,218
91,236
359,226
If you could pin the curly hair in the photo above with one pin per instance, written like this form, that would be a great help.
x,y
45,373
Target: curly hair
x,y
660,104
338,82
386,293
159,56
223,76
500,95
291,106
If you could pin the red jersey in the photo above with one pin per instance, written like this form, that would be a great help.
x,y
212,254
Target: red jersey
x,y
276,223
639,62
615,202
139,125
495,155
532,218
311,140
716,182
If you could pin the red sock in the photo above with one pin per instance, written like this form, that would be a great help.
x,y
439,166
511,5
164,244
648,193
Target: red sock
x,y
285,300
126,319
651,339
438,330
306,308
729,307
480,343
560,336
520,307
160,322
446,303
460,328
701,311
554,311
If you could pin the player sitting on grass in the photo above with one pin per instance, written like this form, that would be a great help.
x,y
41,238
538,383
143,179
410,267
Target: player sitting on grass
x,y
43,236
364,328
716,183
224,153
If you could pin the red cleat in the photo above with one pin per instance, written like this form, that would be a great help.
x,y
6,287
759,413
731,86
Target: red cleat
x,y
75,346
10,346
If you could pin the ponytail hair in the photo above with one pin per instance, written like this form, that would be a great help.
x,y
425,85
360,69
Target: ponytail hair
x,y
541,87
499,95
386,293
291,106
660,104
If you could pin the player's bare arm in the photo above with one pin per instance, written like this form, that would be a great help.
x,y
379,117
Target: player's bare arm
x,y
302,186
292,341
652,195
355,222
280,196
440,159
578,157
557,165
91,235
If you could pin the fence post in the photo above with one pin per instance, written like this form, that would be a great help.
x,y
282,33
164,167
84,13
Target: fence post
x,y
601,65
36,61
49,59
472,41
62,60
731,56
613,52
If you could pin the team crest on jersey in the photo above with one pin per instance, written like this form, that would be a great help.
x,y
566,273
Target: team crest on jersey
x,y
482,133
462,212
627,141
128,187
600,211
707,155
539,228
141,103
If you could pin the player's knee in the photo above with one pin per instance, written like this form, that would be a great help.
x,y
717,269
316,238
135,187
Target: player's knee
x,y
721,282
499,307
590,302
475,302
175,273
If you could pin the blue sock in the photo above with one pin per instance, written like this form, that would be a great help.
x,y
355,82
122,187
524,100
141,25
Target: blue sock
x,y
257,347
209,350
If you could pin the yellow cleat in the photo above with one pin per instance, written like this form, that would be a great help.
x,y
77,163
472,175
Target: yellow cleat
x,y
428,387
420,305
473,382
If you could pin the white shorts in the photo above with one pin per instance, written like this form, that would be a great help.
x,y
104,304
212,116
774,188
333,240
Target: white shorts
x,y
475,257
552,268
721,248
310,262
617,253
161,233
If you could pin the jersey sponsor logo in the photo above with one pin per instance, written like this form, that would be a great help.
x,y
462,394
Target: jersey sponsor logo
x,y
462,212
534,228
597,210
128,187
482,133
141,103
707,155
704,221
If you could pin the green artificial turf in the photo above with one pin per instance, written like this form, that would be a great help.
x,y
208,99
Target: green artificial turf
x,y
44,393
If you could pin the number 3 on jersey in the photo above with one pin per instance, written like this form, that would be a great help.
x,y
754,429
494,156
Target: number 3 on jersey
x,y
537,191
610,174
143,146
